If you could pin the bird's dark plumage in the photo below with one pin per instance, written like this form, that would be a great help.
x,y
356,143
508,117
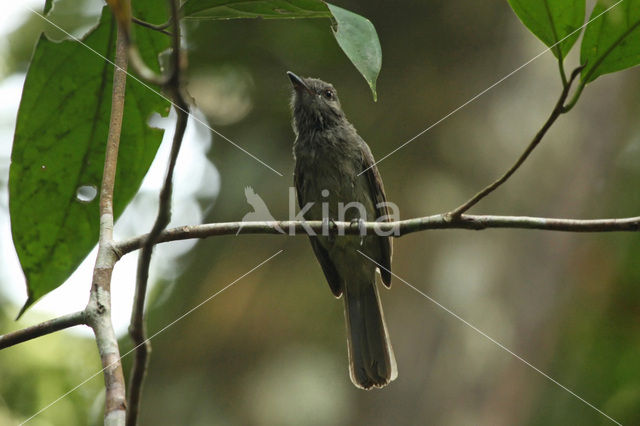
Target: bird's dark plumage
x,y
335,167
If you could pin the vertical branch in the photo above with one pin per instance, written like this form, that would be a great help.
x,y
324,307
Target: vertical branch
x,y
98,311
137,326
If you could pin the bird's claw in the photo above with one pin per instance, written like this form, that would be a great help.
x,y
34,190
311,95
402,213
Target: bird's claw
x,y
330,228
361,227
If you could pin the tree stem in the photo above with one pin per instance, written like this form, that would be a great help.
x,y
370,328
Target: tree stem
x,y
98,310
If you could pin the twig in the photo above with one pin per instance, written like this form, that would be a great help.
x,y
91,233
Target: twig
x,y
98,310
161,28
558,110
42,329
137,327
138,64
394,229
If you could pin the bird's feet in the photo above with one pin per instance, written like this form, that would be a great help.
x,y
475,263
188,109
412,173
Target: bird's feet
x,y
361,227
329,228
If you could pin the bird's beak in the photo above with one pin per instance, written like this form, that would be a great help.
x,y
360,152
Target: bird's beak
x,y
298,83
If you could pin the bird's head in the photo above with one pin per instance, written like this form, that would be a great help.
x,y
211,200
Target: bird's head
x,y
315,104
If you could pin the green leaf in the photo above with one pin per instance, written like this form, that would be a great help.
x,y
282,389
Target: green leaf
x,y
358,39
552,21
355,34
59,148
612,41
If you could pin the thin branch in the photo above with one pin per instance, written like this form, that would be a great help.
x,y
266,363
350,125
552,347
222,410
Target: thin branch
x,y
393,229
141,68
137,327
42,329
161,28
98,310
138,64
563,74
558,110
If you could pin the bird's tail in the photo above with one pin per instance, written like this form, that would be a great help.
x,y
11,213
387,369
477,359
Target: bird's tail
x,y
371,359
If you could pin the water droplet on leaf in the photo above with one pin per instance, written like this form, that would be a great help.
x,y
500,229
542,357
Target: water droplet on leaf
x,y
86,193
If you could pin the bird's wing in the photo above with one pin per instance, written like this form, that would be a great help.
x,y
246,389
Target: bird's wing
x,y
330,271
376,191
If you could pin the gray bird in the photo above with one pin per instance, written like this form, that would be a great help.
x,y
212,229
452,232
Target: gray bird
x,y
330,155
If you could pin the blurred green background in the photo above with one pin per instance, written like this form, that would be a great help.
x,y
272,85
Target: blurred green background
x,y
271,349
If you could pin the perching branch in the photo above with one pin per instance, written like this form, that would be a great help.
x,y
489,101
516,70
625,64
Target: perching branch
x,y
42,329
394,229
469,222
403,227
137,326
559,109
98,310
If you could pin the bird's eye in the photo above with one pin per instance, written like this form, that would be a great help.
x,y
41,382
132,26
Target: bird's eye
x,y
328,94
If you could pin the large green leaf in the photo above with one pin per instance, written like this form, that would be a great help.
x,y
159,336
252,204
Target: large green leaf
x,y
555,22
59,147
612,41
355,34
358,40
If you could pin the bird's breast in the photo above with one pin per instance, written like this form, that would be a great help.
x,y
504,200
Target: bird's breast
x,y
330,181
